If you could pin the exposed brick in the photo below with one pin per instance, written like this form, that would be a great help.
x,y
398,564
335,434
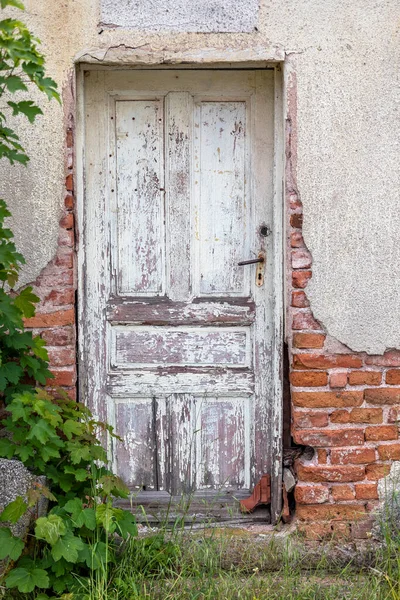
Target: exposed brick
x,y
322,455
61,357
327,399
342,493
308,378
60,297
69,202
382,395
328,438
361,530
66,237
366,491
376,471
326,512
340,416
67,221
394,414
311,494
305,420
70,138
382,432
365,377
301,259
300,279
300,300
393,377
315,531
389,451
330,473
366,415
326,361
357,456
61,278
296,239
296,221
389,359
308,340
54,319
294,202
338,379
60,336
65,260
304,320
69,182
65,377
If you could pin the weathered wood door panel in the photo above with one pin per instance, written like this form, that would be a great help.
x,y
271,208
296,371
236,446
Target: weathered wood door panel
x,y
176,338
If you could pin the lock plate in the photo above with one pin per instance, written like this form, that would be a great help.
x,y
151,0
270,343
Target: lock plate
x,y
260,270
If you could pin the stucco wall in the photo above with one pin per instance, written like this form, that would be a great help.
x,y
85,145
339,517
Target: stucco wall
x,y
345,56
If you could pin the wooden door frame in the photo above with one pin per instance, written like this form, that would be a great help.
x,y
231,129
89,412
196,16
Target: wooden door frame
x,y
278,236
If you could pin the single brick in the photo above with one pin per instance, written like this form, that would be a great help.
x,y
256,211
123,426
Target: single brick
x,y
300,300
67,221
66,237
315,531
69,202
308,340
389,359
58,318
330,473
69,182
308,378
296,221
65,259
65,377
304,320
326,361
394,414
326,512
328,438
305,420
61,357
342,493
294,202
366,415
322,455
340,416
389,452
382,432
60,297
338,379
382,395
357,456
327,399
393,377
376,471
59,336
311,494
300,279
365,378
296,239
301,259
366,491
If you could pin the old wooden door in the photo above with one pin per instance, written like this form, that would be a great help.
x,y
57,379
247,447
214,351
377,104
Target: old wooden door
x,y
176,338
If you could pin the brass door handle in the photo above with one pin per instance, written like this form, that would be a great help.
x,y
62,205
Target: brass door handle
x,y
260,261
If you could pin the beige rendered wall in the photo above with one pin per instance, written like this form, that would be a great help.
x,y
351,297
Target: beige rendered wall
x,y
344,57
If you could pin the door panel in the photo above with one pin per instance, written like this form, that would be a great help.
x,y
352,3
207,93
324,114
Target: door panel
x,y
178,343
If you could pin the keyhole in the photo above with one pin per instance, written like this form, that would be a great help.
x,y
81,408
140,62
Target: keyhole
x,y
259,277
264,230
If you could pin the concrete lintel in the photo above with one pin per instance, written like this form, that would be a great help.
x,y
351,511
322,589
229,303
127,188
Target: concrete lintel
x,y
148,56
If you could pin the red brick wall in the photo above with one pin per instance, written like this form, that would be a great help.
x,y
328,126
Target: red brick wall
x,y
56,287
344,405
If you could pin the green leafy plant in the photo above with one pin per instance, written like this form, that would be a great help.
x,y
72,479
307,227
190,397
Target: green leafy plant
x,y
55,437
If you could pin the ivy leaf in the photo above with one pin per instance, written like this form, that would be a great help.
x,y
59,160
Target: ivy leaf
x,y
127,525
14,511
6,448
27,579
50,528
42,431
67,547
72,428
80,474
26,107
107,516
26,301
112,484
79,515
10,546
16,3
15,83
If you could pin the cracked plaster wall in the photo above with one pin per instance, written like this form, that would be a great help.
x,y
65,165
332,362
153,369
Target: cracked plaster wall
x,y
346,58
